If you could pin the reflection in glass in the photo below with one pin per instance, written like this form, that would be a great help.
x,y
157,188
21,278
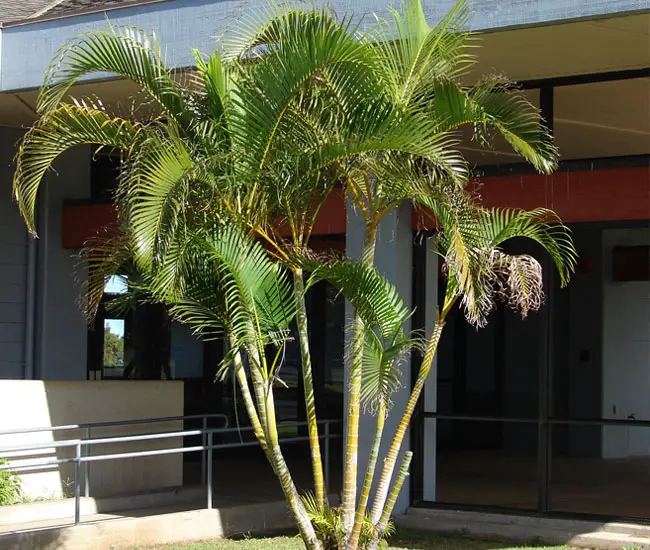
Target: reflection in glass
x,y
116,284
484,463
113,362
601,470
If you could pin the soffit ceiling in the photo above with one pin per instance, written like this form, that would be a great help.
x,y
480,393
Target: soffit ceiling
x,y
591,120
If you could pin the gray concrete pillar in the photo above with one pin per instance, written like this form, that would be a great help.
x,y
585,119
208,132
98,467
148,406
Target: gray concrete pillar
x,y
61,333
393,259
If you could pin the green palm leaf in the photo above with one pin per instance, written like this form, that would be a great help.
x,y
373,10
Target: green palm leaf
x,y
382,360
157,189
374,298
54,133
123,51
415,54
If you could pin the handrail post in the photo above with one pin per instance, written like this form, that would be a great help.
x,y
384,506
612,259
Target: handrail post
x,y
77,484
327,457
209,470
87,465
203,443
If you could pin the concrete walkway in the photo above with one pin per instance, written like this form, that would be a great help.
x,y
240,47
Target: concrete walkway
x,y
146,527
527,529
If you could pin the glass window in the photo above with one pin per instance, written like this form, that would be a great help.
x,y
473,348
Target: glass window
x,y
113,362
116,284
601,470
487,463
592,120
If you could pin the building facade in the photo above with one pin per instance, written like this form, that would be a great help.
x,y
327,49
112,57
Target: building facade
x,y
548,415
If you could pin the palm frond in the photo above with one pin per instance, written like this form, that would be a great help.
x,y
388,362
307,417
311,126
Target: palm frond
x,y
382,361
374,298
497,104
300,54
415,54
122,51
495,108
158,185
101,257
464,248
54,133
540,225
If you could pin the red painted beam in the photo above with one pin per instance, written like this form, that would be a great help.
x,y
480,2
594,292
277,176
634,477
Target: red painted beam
x,y
331,219
588,196
82,222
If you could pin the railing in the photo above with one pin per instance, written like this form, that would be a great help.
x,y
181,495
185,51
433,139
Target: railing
x,y
206,448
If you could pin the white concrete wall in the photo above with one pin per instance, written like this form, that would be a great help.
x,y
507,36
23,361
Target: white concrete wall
x,y
61,335
13,266
34,404
626,351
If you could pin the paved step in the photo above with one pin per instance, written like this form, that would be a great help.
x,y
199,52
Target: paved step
x,y
146,527
64,508
524,529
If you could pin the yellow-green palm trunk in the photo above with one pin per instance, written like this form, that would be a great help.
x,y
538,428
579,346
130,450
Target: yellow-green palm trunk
x,y
380,528
308,384
258,430
259,384
297,507
367,482
349,493
266,413
393,452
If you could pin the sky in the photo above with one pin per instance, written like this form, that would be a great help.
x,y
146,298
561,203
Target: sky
x,y
117,284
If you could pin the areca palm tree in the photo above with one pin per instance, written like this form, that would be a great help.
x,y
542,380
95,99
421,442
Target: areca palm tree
x,y
243,150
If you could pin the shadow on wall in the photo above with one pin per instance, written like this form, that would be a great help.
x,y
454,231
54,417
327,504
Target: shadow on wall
x,y
34,404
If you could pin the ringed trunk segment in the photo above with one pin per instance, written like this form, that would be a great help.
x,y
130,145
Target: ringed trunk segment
x,y
367,483
258,429
381,526
349,493
296,505
393,453
308,384
267,435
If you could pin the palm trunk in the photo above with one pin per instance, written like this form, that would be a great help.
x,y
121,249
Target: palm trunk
x,y
367,482
259,382
258,429
265,428
308,384
297,507
349,496
382,524
396,445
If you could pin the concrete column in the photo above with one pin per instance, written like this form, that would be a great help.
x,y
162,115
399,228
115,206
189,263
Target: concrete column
x,y
393,259
61,333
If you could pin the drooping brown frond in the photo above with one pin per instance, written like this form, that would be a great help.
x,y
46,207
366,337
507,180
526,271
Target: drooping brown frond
x,y
518,281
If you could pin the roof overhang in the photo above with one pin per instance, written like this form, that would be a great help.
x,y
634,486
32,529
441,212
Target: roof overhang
x,y
28,46
593,118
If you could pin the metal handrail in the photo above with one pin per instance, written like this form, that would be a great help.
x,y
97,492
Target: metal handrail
x,y
206,448
111,423
139,437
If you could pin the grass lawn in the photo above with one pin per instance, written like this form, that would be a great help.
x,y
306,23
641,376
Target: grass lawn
x,y
404,540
